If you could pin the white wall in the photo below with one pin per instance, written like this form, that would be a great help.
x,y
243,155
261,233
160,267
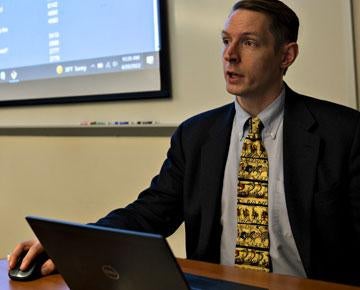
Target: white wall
x,y
356,28
73,178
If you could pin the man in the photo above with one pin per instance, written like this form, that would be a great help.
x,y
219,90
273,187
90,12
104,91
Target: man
x,y
312,172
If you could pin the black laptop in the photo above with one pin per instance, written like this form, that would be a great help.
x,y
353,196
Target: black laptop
x,y
98,258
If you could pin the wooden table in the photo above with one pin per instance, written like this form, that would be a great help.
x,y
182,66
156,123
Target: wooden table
x,y
264,280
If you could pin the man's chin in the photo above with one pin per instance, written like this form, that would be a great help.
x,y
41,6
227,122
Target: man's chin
x,y
236,91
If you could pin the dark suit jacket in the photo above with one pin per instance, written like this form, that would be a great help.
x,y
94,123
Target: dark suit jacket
x,y
322,186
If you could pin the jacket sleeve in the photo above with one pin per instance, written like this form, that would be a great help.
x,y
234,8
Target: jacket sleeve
x,y
159,208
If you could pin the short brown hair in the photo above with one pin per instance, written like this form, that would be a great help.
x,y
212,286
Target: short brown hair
x,y
284,21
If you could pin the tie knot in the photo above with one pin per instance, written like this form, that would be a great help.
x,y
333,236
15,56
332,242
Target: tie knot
x,y
255,125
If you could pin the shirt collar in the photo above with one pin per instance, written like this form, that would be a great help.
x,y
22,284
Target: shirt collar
x,y
271,116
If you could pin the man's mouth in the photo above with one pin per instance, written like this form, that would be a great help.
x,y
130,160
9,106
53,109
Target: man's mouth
x,y
233,75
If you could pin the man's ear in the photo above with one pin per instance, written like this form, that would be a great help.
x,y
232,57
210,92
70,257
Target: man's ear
x,y
290,52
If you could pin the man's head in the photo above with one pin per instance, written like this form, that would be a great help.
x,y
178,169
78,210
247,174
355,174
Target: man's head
x,y
258,48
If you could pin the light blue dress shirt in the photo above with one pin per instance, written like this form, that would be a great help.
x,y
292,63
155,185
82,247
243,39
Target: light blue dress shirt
x,y
285,257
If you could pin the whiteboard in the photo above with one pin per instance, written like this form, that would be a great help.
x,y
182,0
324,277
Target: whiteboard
x,y
324,68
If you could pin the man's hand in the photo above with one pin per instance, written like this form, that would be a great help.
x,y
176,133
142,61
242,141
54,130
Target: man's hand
x,y
33,249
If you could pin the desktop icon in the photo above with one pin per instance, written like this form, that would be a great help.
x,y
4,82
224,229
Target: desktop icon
x,y
150,59
14,75
59,69
2,76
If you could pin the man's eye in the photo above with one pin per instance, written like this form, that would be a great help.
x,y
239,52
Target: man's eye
x,y
250,42
225,41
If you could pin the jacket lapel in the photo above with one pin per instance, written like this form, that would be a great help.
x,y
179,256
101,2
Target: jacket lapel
x,y
301,148
213,159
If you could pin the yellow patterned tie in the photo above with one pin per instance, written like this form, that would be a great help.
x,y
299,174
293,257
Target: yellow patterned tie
x,y
252,243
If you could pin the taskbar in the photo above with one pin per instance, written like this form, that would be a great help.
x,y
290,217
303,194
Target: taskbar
x,y
112,64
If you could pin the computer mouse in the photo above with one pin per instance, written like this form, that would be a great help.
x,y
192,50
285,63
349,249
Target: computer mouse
x,y
32,272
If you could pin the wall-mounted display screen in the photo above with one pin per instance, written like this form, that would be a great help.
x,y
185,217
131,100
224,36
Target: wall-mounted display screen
x,y
55,51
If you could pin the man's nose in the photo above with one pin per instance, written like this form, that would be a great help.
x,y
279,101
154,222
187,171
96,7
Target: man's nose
x,y
231,54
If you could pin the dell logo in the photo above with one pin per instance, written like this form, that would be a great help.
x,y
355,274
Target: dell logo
x,y
110,272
